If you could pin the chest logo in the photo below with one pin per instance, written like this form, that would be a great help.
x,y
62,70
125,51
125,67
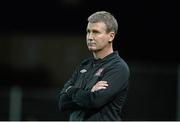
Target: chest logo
x,y
99,71
83,71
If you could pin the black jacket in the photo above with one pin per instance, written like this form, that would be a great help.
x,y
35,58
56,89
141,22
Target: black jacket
x,y
104,104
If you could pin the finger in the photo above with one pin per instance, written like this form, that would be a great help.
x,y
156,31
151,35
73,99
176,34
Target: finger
x,y
102,81
97,88
102,84
99,85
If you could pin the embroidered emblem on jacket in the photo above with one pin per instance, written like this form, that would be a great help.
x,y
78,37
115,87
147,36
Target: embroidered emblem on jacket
x,y
98,73
83,71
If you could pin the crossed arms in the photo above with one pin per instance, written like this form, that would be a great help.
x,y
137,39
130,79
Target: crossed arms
x,y
74,98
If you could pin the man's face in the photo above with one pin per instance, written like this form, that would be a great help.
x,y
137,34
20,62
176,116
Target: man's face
x,y
97,38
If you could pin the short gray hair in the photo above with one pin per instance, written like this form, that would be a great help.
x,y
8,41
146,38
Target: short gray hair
x,y
107,18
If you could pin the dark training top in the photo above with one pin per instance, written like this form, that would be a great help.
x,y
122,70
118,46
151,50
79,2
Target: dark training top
x,y
104,104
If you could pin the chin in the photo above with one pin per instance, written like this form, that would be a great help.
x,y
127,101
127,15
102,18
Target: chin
x,y
92,49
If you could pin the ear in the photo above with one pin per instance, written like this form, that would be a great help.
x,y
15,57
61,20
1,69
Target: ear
x,y
112,35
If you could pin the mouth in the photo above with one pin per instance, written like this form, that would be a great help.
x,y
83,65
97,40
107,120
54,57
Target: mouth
x,y
91,44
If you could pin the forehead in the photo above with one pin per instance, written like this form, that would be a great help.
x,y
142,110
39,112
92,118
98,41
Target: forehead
x,y
97,25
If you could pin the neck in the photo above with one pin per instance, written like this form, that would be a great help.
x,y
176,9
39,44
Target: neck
x,y
102,53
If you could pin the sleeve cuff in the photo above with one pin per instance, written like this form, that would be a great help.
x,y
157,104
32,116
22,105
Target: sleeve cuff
x,y
71,90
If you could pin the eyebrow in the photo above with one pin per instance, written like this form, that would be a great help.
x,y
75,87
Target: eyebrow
x,y
93,30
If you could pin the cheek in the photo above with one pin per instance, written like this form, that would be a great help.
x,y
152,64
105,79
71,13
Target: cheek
x,y
103,40
101,43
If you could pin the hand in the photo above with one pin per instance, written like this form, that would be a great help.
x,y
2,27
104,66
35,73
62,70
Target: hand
x,y
99,85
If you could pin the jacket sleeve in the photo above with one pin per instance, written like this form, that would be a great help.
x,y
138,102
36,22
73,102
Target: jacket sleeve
x,y
117,78
64,101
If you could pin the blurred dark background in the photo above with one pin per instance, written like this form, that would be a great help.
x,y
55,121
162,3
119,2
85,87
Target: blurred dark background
x,y
42,41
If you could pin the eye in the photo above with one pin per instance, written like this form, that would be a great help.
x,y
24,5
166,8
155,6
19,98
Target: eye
x,y
95,31
87,30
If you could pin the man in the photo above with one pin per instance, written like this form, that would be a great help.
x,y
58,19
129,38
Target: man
x,y
98,87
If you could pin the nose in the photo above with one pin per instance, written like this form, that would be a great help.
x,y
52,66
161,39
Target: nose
x,y
89,36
